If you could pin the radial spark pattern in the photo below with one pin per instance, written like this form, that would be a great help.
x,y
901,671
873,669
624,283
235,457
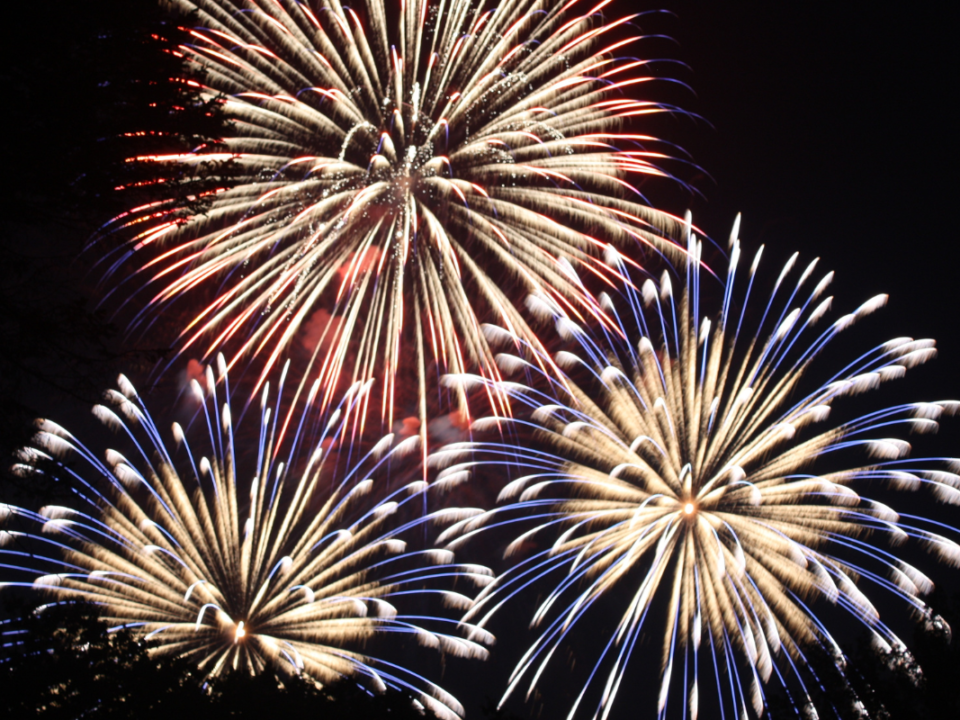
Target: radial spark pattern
x,y
401,166
691,478
284,565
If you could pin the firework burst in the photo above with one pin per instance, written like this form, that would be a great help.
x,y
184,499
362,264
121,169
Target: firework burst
x,y
677,477
400,169
287,565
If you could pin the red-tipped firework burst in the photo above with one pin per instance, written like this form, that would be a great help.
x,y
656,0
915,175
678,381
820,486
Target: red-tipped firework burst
x,y
402,166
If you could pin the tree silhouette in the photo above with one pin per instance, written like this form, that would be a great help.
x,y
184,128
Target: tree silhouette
x,y
63,663
888,685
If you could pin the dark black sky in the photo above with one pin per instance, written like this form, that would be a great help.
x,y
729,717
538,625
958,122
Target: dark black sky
x,y
831,130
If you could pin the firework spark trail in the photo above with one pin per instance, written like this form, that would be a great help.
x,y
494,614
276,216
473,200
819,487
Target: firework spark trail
x,y
676,474
400,166
283,565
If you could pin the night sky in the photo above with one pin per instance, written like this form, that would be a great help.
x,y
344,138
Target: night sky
x,y
828,126
831,131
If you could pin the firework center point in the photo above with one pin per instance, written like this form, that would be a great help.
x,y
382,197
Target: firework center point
x,y
689,508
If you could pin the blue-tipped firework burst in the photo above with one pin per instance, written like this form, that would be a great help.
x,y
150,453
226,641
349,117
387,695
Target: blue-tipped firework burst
x,y
685,471
285,565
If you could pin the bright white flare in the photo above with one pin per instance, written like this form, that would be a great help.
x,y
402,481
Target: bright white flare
x,y
244,556
691,475
404,168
